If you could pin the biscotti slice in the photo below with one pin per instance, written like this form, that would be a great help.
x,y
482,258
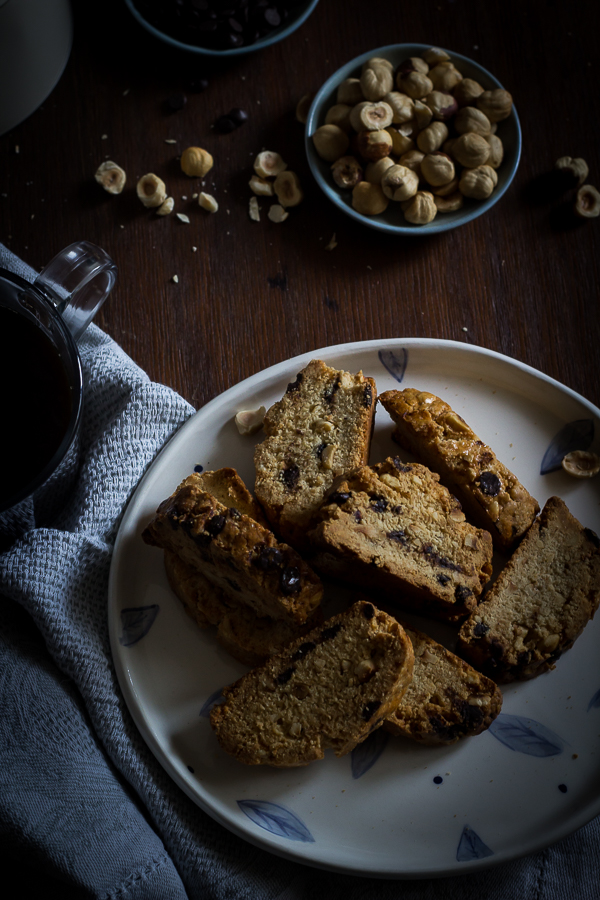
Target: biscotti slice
x,y
237,554
490,494
447,698
329,689
541,601
249,638
228,488
320,428
393,527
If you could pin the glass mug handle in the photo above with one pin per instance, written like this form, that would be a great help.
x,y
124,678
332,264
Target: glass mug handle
x,y
77,281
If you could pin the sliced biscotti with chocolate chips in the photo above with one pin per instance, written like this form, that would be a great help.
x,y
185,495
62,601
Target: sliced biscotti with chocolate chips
x,y
249,638
329,689
227,487
394,528
320,428
490,494
541,601
235,553
447,698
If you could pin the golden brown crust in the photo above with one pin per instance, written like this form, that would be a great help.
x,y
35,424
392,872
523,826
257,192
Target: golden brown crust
x,y
393,528
331,688
227,487
490,494
541,601
320,428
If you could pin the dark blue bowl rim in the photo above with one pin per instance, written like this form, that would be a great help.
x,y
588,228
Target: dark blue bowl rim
x,y
274,38
438,225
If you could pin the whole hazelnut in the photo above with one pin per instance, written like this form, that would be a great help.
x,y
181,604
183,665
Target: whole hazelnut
x,y
373,145
437,168
445,76
496,151
349,92
399,183
339,115
330,142
402,107
471,150
412,160
496,104
347,172
420,209
415,84
467,91
368,199
478,183
400,142
587,202
375,170
432,137
469,118
443,106
574,171
450,203
376,81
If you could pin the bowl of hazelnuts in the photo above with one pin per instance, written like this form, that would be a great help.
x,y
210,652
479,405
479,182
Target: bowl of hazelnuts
x,y
413,139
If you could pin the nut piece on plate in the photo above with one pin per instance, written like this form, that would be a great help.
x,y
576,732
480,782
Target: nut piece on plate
x,y
369,199
196,162
249,421
151,190
469,118
376,170
399,183
207,202
287,187
350,92
330,142
575,171
496,104
471,150
269,164
347,172
111,176
581,463
432,137
420,209
478,183
587,202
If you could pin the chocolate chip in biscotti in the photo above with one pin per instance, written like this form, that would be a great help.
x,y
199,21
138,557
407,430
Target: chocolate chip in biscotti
x,y
490,484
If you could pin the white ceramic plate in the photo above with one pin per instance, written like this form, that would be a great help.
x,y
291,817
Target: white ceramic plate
x,y
392,808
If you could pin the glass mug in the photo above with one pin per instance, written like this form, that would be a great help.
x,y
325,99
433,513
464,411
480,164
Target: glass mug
x,y
42,382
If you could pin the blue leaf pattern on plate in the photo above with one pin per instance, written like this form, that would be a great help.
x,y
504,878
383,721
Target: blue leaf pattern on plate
x,y
526,736
595,701
395,362
471,846
277,819
576,435
136,622
213,700
366,754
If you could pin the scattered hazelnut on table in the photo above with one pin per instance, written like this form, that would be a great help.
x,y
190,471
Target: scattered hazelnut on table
x,y
369,199
111,176
303,107
287,187
261,186
330,142
574,171
581,463
347,172
420,209
587,202
151,190
277,213
166,207
269,164
349,91
196,162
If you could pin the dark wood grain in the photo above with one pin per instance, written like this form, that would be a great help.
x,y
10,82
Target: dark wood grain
x,y
521,279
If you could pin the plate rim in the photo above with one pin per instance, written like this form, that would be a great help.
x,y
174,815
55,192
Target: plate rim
x,y
266,841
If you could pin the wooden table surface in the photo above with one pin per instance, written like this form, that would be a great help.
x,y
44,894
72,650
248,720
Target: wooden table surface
x,y
521,280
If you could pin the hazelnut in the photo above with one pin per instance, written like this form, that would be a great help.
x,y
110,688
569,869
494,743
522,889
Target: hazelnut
x,y
412,160
415,84
303,107
375,62
208,202
151,190
399,183
249,421
269,164
443,190
478,183
581,463
422,114
421,209
469,118
575,171
376,81
375,170
261,186
330,142
401,105
587,202
369,199
349,92
400,142
373,145
445,76
496,151
166,207
339,115
277,213
443,106
196,162
432,137
111,176
496,104
371,116
450,203
434,56
347,172
471,150
437,168
254,209
287,187
467,91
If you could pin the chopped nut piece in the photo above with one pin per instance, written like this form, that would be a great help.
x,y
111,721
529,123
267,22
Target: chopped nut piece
x,y
277,213
581,463
183,218
496,104
576,170
303,107
249,421
151,190
175,278
327,456
261,186
350,92
254,209
196,162
269,164
288,190
364,670
332,243
208,202
587,203
111,176
166,207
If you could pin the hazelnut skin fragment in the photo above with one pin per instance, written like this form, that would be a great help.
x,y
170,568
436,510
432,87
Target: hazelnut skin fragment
x,y
587,202
347,172
196,162
111,176
374,145
330,142
437,169
151,190
303,107
369,199
478,183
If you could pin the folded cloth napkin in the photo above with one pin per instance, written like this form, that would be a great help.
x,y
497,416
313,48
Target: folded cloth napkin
x,y
85,809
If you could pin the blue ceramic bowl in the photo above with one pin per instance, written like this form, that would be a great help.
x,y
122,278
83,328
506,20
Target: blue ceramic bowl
x,y
392,220
279,34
